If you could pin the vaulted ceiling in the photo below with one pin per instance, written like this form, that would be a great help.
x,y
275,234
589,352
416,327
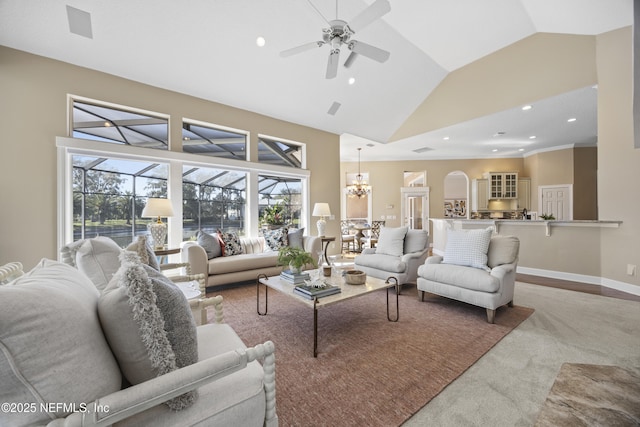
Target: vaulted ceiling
x,y
207,48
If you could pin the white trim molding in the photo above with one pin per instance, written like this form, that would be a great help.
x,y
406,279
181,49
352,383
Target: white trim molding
x,y
582,278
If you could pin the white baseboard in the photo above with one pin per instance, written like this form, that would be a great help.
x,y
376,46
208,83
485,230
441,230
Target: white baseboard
x,y
592,280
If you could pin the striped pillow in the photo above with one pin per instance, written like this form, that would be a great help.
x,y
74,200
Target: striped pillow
x,y
468,248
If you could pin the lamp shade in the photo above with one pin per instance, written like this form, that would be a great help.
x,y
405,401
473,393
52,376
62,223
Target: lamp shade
x,y
157,208
321,209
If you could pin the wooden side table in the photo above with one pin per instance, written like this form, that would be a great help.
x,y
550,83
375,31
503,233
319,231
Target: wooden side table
x,y
162,254
325,244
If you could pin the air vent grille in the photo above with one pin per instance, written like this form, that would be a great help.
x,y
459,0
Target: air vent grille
x,y
334,108
422,150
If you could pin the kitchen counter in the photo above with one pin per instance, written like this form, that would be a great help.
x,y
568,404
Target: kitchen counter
x,y
462,223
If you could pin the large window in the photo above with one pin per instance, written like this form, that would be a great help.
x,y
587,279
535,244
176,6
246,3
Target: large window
x,y
214,141
109,195
279,152
213,199
117,126
280,200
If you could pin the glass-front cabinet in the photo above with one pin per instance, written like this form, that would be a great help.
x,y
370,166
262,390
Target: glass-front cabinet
x,y
503,185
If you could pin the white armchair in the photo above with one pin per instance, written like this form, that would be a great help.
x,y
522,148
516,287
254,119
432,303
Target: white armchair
x,y
398,253
491,286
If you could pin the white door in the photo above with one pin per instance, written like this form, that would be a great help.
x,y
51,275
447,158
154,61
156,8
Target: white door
x,y
415,207
556,200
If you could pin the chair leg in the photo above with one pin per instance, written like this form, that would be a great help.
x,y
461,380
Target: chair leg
x,y
421,296
491,315
510,303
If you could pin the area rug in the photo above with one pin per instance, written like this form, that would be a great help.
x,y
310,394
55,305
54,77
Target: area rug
x,y
592,395
369,371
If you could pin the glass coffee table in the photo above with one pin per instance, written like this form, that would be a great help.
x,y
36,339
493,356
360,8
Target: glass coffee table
x,y
347,292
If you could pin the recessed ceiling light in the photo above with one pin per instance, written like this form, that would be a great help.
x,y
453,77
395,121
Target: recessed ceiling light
x,y
352,80
532,137
260,41
526,107
521,149
446,138
572,119
494,150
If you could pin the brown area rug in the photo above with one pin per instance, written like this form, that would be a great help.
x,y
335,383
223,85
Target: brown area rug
x,y
592,395
369,371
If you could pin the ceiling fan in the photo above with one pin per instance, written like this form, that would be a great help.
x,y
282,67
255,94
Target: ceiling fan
x,y
339,33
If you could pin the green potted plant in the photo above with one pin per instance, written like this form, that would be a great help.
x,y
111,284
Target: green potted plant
x,y
547,217
295,258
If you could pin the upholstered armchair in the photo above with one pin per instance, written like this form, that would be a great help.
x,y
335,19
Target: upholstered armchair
x,y
398,254
476,268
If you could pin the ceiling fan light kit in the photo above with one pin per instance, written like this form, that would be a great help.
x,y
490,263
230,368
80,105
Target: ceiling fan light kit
x,y
339,33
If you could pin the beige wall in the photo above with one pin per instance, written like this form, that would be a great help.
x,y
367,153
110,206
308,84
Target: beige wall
x,y
33,112
618,160
537,67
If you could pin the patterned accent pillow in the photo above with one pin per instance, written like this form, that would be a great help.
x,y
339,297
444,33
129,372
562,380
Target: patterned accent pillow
x,y
231,241
468,248
276,239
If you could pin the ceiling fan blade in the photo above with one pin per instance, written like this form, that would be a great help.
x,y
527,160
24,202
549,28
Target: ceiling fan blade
x,y
332,65
300,49
352,57
370,14
369,51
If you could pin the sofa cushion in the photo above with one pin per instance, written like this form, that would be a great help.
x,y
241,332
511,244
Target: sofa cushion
x,y
461,276
211,244
277,238
295,238
52,349
148,323
142,246
415,241
243,262
467,247
231,242
97,258
381,262
391,241
503,250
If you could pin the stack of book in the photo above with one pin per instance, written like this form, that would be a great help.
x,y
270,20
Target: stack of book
x,y
311,292
294,278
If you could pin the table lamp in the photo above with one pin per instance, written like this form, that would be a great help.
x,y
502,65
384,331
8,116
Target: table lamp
x,y
322,210
157,208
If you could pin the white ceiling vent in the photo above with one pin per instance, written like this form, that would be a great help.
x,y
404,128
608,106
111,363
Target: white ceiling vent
x,y
422,150
334,108
79,22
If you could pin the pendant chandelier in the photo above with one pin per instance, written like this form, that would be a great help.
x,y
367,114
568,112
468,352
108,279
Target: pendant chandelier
x,y
359,188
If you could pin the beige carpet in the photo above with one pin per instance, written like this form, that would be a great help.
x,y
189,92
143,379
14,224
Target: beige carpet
x,y
369,371
592,395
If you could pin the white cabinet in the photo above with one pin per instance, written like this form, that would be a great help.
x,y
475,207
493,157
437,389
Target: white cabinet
x,y
503,185
524,194
479,195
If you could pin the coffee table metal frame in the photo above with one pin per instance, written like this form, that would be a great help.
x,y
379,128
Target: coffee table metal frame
x,y
347,292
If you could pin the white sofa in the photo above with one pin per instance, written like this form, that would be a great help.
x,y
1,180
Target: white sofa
x,y
256,259
489,284
398,253
59,366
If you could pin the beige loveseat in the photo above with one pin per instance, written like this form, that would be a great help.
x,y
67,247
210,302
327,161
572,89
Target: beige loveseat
x,y
69,351
256,259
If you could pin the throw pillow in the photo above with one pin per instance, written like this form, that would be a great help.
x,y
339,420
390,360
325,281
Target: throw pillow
x,y
415,241
51,338
148,323
391,241
231,241
211,244
97,258
277,238
295,238
142,246
468,248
